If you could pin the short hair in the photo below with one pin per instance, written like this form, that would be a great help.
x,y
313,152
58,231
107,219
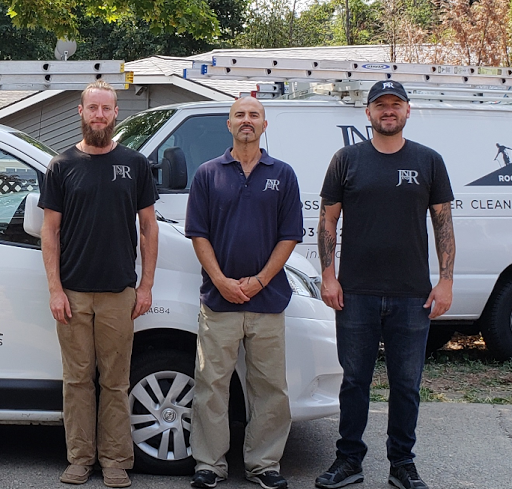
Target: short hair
x,y
99,85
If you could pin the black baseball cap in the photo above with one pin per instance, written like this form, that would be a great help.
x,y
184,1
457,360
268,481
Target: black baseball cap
x,y
387,87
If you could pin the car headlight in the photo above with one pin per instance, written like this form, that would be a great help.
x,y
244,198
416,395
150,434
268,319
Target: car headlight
x,y
301,284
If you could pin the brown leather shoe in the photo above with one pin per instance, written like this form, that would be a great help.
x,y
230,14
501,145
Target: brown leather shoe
x,y
114,477
76,474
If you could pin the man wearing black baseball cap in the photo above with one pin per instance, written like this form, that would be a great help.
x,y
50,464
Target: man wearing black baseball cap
x,y
389,87
385,187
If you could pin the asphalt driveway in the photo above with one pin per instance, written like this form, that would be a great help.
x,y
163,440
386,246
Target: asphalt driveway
x,y
460,446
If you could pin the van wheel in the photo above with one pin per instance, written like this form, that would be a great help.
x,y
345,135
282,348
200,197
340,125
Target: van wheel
x,y
497,323
161,392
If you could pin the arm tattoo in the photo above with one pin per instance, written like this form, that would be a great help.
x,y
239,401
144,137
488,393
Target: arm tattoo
x,y
445,239
326,241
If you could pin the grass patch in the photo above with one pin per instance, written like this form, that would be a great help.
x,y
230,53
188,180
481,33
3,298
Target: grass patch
x,y
456,374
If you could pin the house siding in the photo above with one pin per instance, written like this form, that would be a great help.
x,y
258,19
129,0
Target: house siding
x,y
55,121
171,94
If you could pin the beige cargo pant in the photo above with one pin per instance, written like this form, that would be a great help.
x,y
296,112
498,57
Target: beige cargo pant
x,y
218,341
100,334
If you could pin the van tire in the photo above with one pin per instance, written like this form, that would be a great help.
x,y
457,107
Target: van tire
x,y
496,322
161,425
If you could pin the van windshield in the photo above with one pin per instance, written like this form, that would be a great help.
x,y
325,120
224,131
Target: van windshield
x,y
35,142
139,128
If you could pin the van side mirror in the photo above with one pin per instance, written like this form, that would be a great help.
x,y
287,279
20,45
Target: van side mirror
x,y
178,175
171,173
33,219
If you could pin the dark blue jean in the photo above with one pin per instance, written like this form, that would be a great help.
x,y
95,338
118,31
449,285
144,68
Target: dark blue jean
x,y
403,324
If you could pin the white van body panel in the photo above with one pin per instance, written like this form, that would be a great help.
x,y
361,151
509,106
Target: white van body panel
x,y
307,133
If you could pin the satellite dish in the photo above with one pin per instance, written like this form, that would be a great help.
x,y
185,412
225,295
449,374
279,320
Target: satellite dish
x,y
64,49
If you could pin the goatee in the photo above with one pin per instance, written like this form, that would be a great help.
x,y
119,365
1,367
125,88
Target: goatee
x,y
99,138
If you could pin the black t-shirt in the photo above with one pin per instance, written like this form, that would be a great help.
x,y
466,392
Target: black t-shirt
x,y
99,197
385,197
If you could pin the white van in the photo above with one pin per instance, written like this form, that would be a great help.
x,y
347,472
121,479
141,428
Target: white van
x,y
475,140
162,374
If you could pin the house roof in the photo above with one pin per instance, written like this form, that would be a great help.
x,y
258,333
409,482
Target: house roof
x,y
171,67
8,97
373,52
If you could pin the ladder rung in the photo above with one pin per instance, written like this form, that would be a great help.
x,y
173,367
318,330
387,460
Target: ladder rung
x,y
56,67
62,75
259,68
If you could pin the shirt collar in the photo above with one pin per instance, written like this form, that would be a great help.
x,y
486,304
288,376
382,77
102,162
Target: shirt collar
x,y
266,159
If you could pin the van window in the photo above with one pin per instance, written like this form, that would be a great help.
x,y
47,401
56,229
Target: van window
x,y
136,130
17,180
201,138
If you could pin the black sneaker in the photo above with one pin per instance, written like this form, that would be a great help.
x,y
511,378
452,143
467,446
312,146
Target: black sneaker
x,y
205,478
340,474
406,477
269,480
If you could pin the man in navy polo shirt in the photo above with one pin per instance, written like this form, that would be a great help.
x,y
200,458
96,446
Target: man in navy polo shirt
x,y
244,218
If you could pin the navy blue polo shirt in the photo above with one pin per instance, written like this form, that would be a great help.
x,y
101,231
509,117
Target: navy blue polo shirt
x,y
244,219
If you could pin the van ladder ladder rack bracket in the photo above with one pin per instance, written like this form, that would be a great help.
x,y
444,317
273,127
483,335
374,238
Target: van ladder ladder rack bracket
x,y
62,75
351,80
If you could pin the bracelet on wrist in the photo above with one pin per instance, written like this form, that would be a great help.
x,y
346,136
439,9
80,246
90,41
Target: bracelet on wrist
x,y
260,282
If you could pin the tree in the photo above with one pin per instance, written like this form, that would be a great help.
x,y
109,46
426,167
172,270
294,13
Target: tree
x,y
267,25
277,24
476,32
313,27
355,22
62,16
17,43
406,25
131,38
128,38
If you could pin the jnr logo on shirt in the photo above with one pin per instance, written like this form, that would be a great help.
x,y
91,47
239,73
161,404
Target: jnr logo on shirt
x,y
410,176
271,185
121,171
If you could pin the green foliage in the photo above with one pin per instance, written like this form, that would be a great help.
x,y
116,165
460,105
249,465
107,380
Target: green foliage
x,y
375,397
313,27
127,38
275,24
428,395
363,22
267,25
131,39
18,44
62,17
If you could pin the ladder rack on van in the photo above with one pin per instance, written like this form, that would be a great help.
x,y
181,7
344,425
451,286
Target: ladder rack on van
x,y
350,80
62,75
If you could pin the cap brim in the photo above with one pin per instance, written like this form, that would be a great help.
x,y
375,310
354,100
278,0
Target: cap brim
x,y
399,95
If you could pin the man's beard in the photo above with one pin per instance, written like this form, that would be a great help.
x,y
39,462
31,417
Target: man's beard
x,y
379,127
99,138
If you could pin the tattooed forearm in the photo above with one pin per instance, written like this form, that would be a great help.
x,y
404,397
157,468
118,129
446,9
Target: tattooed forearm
x,y
326,239
445,240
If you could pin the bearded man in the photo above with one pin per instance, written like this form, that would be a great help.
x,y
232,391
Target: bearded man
x,y
384,187
91,196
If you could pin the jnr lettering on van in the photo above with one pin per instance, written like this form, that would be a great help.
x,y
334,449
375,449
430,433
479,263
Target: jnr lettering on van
x,y
121,171
352,135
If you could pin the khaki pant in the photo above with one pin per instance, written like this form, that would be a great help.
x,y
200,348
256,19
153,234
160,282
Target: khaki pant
x,y
100,334
219,338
